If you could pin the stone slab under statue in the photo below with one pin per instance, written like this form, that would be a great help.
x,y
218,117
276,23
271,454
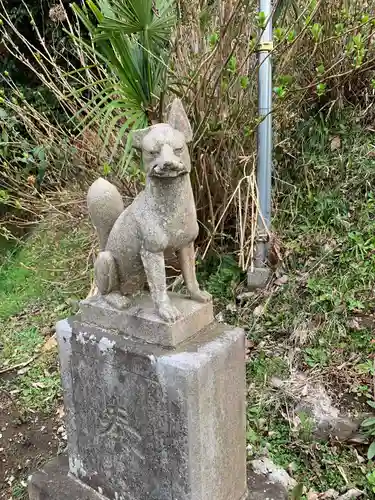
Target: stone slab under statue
x,y
141,320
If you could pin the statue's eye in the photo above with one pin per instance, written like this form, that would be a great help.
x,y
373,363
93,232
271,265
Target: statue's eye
x,y
154,153
178,151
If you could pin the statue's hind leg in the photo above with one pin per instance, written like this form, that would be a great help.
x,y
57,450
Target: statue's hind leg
x,y
107,280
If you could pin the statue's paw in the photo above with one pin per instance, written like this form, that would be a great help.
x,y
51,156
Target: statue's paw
x,y
201,296
117,300
169,313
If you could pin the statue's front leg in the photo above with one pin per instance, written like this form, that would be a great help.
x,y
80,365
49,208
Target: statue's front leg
x,y
154,265
187,262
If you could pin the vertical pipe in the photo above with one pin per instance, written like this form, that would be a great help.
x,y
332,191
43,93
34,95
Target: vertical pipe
x,y
264,166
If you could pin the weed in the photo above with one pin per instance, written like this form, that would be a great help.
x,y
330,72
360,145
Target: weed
x,y
316,356
368,426
367,367
361,341
323,199
371,480
322,319
39,388
316,464
306,426
279,445
262,368
19,490
220,276
43,268
20,346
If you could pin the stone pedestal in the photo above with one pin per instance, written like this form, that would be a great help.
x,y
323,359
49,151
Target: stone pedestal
x,y
148,422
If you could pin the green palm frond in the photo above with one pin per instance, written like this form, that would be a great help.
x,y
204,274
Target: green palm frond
x,y
131,39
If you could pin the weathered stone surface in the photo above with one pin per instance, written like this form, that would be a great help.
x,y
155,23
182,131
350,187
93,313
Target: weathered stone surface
x,y
311,398
262,489
258,277
272,473
352,493
141,320
148,423
161,218
53,482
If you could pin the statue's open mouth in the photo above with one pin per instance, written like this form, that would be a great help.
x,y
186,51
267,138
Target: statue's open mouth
x,y
173,170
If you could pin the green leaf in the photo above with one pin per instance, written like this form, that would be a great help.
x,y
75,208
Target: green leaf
x,y
261,19
93,110
371,403
368,422
106,169
316,31
131,41
321,89
291,36
213,39
232,64
140,122
244,81
371,451
4,196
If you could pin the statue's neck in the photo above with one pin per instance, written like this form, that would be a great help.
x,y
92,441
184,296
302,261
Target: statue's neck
x,y
163,190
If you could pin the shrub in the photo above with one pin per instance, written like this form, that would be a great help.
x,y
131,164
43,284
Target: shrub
x,y
324,56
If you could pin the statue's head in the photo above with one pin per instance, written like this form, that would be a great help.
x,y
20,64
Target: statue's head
x,y
164,146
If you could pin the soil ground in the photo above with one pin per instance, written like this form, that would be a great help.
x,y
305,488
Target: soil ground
x,y
27,440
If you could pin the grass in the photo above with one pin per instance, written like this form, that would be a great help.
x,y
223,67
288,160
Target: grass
x,y
39,388
320,320
18,347
40,280
43,270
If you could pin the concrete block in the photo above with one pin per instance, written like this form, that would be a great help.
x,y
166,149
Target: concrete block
x,y
148,423
53,482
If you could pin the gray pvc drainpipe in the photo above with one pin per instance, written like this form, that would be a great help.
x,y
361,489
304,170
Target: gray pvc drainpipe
x,y
259,273
264,167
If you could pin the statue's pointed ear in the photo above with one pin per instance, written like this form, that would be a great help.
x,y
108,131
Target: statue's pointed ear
x,y
138,135
178,120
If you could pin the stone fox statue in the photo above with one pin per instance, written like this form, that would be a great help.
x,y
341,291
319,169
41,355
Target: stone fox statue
x,y
162,217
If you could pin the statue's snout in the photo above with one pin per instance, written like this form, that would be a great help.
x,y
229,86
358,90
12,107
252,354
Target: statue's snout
x,y
168,163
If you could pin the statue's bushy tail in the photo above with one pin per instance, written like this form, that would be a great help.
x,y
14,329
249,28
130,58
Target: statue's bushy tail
x,y
104,204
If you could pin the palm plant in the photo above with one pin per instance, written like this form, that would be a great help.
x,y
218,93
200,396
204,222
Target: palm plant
x,y
131,41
